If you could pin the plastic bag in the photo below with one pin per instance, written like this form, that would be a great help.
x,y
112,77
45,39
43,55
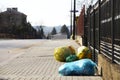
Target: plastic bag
x,y
71,58
84,52
84,67
61,53
72,49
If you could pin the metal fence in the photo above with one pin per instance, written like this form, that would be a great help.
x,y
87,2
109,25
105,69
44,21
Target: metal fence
x,y
103,21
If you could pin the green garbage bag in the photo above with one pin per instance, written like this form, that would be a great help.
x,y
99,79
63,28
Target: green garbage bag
x,y
71,58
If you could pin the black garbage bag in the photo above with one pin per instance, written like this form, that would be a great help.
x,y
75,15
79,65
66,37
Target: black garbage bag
x,y
84,67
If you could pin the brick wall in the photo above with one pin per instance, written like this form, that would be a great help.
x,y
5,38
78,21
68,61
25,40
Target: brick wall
x,y
80,23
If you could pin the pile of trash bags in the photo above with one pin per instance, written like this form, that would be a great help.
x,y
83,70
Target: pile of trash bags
x,y
69,54
76,62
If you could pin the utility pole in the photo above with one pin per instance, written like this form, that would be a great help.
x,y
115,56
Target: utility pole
x,y
74,16
71,20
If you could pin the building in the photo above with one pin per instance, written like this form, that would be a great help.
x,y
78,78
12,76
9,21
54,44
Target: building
x,y
11,18
13,24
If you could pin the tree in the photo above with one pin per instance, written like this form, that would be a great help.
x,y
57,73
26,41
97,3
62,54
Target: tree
x,y
31,31
49,36
87,3
40,32
65,30
53,31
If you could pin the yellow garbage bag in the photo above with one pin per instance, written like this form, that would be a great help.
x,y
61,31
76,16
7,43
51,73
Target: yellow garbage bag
x,y
72,49
61,53
84,52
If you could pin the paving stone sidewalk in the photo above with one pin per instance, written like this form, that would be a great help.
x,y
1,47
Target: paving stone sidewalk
x,y
38,63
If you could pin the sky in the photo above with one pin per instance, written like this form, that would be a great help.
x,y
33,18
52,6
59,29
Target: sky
x,y
43,12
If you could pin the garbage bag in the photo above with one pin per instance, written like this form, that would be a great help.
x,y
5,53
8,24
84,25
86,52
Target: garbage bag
x,y
71,58
84,52
72,49
61,53
84,67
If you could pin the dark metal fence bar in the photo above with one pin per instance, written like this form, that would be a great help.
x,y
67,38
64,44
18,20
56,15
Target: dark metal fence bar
x,y
99,17
117,54
112,28
106,49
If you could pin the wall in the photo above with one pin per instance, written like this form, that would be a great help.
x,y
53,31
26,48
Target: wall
x,y
110,71
80,23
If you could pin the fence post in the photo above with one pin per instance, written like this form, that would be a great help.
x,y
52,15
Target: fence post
x,y
99,24
94,34
89,25
112,28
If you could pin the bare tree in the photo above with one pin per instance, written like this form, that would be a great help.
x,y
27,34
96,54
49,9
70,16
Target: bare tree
x,y
87,3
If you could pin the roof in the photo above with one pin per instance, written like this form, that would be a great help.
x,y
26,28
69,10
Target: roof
x,y
12,11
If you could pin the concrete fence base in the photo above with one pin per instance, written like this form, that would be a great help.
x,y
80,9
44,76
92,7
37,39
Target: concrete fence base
x,y
110,71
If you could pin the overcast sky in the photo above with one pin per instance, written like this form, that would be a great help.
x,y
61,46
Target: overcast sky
x,y
42,12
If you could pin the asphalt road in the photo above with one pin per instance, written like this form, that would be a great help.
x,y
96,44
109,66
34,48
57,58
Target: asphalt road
x,y
11,44
11,48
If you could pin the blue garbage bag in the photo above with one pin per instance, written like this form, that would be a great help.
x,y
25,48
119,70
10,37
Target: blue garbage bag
x,y
84,67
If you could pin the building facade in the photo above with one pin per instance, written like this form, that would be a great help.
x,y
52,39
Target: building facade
x,y
10,18
13,24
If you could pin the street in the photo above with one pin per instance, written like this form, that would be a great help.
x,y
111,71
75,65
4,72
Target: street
x,y
11,48
20,43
